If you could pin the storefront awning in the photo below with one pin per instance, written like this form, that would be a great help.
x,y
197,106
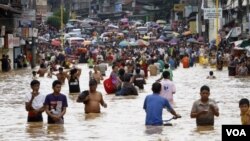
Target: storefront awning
x,y
231,4
9,8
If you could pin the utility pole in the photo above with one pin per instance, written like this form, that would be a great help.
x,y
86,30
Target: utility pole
x,y
239,13
199,17
248,15
90,8
62,11
217,22
33,48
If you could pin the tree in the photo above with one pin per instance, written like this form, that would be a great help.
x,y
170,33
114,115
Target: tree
x,y
54,21
65,15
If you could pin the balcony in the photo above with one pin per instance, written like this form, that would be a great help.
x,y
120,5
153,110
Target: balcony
x,y
16,4
6,2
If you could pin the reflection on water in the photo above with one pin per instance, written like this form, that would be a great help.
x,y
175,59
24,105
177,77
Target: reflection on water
x,y
92,116
124,118
153,130
35,129
56,131
204,128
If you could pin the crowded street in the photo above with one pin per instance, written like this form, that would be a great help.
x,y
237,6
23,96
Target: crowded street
x,y
124,70
124,117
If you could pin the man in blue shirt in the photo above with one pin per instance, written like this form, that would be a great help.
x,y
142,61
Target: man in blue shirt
x,y
154,104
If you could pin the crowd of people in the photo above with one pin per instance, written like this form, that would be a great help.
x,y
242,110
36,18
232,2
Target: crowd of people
x,y
131,67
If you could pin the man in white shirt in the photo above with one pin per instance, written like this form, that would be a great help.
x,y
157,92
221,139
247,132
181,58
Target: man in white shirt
x,y
168,88
34,103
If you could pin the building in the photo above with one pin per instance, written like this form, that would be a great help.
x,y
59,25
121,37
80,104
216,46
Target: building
x,y
41,11
80,7
10,12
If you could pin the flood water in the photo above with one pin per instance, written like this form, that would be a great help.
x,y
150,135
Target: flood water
x,y
124,118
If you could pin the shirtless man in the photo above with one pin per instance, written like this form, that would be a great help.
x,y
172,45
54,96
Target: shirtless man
x,y
97,75
61,76
41,71
94,99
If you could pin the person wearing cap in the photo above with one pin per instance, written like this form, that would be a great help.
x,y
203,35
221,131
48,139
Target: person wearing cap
x,y
93,99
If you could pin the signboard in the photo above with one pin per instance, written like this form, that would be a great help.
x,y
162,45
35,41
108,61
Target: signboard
x,y
25,32
3,30
210,13
179,7
35,32
10,40
30,32
41,2
236,31
1,42
16,41
29,15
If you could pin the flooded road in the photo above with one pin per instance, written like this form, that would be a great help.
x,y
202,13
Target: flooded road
x,y
124,118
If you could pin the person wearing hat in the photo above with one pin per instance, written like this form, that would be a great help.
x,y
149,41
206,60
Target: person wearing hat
x,y
92,98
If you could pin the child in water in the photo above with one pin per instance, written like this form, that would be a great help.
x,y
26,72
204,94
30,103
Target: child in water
x,y
34,77
244,111
211,75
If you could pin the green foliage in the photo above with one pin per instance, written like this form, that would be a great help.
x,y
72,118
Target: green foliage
x,y
54,21
65,15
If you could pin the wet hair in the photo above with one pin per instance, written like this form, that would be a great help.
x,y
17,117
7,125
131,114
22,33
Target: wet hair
x,y
33,72
73,71
60,69
244,101
56,82
205,87
165,74
92,82
34,82
126,78
137,71
211,73
114,65
121,72
156,87
166,66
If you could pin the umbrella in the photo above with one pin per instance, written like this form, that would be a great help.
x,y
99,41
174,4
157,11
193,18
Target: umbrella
x,y
200,39
237,43
124,20
159,41
245,43
56,43
186,33
95,51
113,26
120,34
85,43
124,43
146,38
191,40
132,43
175,34
142,43
125,31
173,41
162,37
68,25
